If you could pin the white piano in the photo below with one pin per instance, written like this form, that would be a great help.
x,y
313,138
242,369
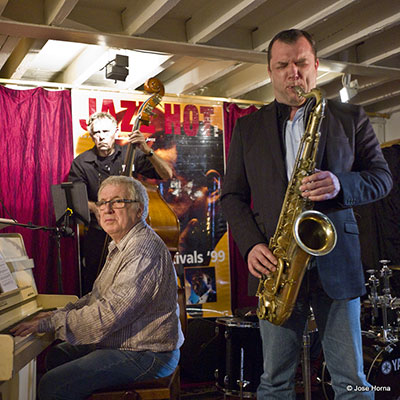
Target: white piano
x,y
18,354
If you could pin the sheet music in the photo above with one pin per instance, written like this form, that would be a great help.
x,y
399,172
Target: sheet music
x,y
7,282
4,222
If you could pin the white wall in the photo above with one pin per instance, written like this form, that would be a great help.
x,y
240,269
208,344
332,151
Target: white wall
x,y
393,127
387,129
380,126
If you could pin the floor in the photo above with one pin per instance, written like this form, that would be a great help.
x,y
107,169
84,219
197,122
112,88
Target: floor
x,y
208,391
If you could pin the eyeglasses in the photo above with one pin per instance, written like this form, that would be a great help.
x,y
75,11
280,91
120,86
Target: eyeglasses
x,y
115,204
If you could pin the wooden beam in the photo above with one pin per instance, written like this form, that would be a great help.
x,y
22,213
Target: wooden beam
x,y
206,23
91,60
56,11
139,16
7,46
379,47
363,19
199,76
20,58
246,78
385,106
300,15
3,4
130,42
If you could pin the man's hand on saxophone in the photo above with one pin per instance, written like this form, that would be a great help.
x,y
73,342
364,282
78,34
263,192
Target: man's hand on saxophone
x,y
320,186
261,261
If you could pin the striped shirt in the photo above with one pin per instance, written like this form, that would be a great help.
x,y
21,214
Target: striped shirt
x,y
133,304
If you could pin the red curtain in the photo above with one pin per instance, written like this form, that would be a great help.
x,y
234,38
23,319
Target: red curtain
x,y
36,152
239,271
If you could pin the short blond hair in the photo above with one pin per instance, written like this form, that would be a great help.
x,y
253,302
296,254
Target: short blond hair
x,y
99,115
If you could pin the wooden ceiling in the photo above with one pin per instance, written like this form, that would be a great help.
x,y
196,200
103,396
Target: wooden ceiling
x,y
211,48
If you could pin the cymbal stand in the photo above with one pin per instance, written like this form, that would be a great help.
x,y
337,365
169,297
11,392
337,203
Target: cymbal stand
x,y
383,301
373,284
385,273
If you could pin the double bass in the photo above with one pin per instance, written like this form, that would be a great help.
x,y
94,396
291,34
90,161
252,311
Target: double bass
x,y
161,217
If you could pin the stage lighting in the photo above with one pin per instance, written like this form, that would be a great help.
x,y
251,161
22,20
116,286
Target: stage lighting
x,y
349,89
117,69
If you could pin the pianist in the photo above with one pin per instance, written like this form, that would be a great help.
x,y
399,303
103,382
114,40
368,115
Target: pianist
x,y
127,329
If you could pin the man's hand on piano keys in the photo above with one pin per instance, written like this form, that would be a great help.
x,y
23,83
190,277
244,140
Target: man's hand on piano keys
x,y
32,326
25,328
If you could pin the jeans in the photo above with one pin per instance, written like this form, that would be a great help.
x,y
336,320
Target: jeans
x,y
339,327
74,372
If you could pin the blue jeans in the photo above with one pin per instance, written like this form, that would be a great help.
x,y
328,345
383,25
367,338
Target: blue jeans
x,y
338,323
77,371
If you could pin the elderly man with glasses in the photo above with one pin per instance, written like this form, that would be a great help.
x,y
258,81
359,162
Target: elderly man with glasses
x,y
127,329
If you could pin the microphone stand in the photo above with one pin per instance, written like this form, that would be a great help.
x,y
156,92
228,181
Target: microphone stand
x,y
70,203
59,231
64,230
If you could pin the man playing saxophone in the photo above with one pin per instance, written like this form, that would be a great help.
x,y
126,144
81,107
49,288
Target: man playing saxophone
x,y
350,170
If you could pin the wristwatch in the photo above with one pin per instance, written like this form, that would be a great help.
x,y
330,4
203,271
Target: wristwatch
x,y
150,153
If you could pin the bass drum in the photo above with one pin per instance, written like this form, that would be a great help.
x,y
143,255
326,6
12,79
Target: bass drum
x,y
239,361
381,366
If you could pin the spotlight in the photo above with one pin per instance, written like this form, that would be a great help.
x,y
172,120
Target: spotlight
x,y
349,89
117,69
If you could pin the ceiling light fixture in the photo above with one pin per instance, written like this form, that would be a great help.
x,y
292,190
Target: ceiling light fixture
x,y
350,88
117,69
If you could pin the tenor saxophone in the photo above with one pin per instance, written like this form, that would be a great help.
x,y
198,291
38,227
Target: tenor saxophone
x,y
301,232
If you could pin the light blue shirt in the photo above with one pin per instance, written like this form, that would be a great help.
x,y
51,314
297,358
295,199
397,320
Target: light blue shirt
x,y
294,131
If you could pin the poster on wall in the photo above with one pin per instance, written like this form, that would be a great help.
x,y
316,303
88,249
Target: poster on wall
x,y
188,133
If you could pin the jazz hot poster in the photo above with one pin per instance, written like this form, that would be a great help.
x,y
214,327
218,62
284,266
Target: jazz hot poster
x,y
188,133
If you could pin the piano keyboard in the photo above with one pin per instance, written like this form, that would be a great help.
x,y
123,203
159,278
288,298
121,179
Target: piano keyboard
x,y
7,331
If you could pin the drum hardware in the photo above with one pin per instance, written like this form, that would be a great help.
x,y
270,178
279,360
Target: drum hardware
x,y
242,382
305,360
383,302
240,362
381,350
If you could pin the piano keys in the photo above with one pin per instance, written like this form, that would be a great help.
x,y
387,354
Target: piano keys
x,y
18,354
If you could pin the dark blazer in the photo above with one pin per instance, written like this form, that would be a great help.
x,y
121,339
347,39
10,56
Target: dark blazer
x,y
255,185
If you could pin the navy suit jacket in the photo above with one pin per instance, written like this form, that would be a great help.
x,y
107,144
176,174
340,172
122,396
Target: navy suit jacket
x,y
255,184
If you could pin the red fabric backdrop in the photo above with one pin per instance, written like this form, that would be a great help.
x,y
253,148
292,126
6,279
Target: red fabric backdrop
x,y
239,271
36,152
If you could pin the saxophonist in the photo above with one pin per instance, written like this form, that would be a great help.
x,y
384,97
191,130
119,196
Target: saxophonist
x,y
350,170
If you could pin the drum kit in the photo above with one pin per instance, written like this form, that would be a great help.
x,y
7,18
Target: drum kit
x,y
380,323
239,362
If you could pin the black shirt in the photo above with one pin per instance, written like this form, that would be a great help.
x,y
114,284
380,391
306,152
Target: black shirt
x,y
92,169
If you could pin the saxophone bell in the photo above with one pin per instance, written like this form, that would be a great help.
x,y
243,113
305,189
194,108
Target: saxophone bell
x,y
315,233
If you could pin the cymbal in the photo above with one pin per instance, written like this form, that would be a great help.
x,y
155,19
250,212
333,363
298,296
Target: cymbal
x,y
395,267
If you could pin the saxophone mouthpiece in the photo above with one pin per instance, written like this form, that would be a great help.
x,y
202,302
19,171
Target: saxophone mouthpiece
x,y
299,90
